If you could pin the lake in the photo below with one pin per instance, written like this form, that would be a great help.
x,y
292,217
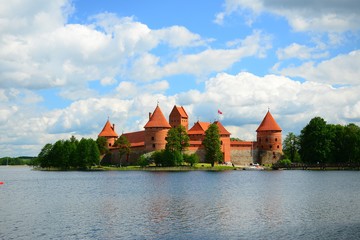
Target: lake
x,y
179,205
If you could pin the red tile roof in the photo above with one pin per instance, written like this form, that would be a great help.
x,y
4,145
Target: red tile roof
x,y
157,119
135,138
199,128
180,110
108,130
222,129
268,124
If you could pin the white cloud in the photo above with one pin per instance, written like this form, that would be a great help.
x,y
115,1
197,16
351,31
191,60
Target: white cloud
x,y
299,51
342,69
204,62
321,15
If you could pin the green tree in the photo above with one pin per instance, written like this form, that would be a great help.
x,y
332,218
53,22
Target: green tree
x,y
191,159
212,145
352,143
177,139
87,153
124,147
315,141
291,146
43,156
102,145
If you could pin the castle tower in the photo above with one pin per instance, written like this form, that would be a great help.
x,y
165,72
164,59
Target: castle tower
x,y
178,116
109,133
156,131
269,140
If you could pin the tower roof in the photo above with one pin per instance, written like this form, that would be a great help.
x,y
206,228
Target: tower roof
x,y
108,130
179,111
157,119
268,124
222,129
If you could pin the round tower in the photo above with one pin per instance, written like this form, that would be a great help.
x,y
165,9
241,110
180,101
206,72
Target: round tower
x,y
156,130
109,133
269,140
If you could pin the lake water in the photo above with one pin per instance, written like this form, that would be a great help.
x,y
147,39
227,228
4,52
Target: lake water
x,y
179,205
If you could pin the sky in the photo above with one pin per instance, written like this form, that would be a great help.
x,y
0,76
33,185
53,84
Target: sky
x,y
68,66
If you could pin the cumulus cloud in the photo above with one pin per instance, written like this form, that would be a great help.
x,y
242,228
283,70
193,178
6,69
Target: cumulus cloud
x,y
205,62
322,15
340,70
299,51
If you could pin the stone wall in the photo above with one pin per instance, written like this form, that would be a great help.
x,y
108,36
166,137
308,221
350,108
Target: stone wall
x,y
269,157
242,157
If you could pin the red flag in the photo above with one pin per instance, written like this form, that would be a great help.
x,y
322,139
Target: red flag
x,y
219,112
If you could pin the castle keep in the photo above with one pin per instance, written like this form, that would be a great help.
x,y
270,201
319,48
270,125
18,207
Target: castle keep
x,y
266,149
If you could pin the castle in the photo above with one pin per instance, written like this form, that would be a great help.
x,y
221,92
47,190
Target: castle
x,y
266,149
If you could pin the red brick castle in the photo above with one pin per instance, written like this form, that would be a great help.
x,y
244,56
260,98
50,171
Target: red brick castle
x,y
267,149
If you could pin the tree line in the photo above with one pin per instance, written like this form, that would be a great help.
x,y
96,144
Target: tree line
x,y
71,153
83,154
322,143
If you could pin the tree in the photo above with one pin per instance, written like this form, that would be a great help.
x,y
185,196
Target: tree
x,y
43,156
315,141
291,147
352,143
124,147
102,145
212,145
87,153
177,139
191,158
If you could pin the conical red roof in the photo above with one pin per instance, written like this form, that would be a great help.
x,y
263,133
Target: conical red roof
x,y
268,124
108,130
157,119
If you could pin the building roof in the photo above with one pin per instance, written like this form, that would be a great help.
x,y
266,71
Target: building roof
x,y
108,130
135,138
199,128
268,124
157,119
222,129
179,111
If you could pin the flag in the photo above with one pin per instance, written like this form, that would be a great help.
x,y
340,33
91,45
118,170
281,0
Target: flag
x,y
219,112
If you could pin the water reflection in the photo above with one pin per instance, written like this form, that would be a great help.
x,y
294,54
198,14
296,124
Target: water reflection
x,y
184,205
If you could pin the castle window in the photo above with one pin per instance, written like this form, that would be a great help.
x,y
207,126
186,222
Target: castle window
x,y
278,146
153,145
275,139
109,144
270,146
152,138
266,139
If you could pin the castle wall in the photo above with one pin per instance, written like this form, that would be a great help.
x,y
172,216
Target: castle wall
x,y
269,157
243,157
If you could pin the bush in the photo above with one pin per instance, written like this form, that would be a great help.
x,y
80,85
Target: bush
x,y
191,159
284,162
143,161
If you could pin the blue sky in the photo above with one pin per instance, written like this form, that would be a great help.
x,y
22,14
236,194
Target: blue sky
x,y
66,66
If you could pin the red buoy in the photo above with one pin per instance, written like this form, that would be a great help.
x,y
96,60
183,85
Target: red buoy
x,y
1,183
